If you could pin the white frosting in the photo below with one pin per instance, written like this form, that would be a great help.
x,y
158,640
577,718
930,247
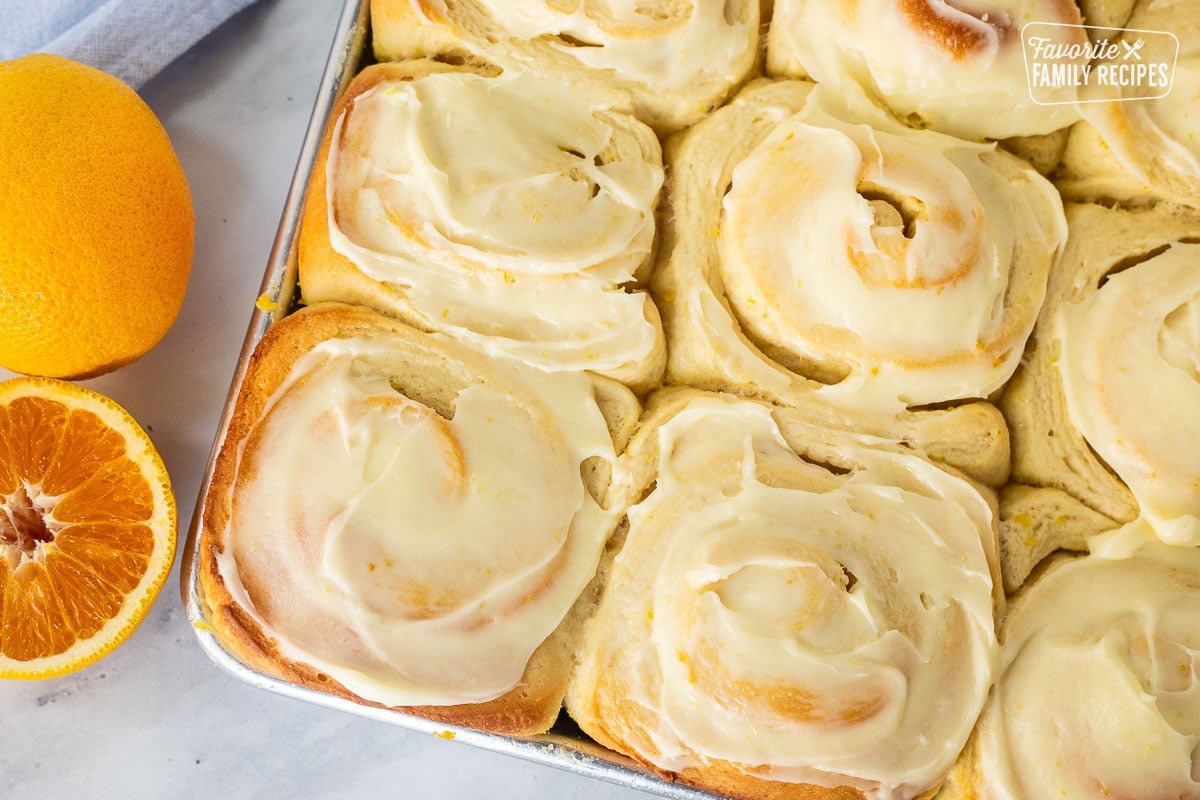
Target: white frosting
x,y
1176,117
415,559
958,66
757,650
503,211
1099,697
1165,130
666,45
1130,365
922,313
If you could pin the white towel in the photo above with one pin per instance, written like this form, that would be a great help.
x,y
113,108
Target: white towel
x,y
131,39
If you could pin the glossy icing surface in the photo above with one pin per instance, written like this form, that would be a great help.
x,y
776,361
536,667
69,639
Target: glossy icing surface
x,y
1098,695
414,557
509,212
956,67
1131,377
902,259
794,620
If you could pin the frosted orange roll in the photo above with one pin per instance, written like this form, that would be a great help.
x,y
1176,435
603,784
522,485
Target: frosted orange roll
x,y
401,522
955,67
787,607
677,60
822,254
1137,150
1097,696
1102,409
1130,364
513,212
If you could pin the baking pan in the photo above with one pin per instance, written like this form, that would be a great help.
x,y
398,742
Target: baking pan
x,y
564,746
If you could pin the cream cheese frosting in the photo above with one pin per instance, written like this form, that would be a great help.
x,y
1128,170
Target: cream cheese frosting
x,y
1155,138
905,259
1098,695
510,212
666,45
956,67
1130,367
1174,118
416,558
796,621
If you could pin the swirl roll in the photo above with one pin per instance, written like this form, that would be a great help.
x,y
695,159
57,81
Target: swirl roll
x,y
1102,409
813,258
512,212
402,522
1130,365
786,608
677,60
1133,149
1098,696
954,67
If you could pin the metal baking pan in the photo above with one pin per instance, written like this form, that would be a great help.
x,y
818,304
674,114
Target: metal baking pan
x,y
564,746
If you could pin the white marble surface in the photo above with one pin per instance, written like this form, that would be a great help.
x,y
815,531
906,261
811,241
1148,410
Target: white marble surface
x,y
156,718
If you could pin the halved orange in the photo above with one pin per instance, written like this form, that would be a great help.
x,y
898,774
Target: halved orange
x,y
87,526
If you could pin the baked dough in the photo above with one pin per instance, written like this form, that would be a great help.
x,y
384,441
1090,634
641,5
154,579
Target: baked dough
x,y
1111,408
1097,694
678,61
1137,151
1105,14
513,212
787,607
787,584
398,521
954,67
858,268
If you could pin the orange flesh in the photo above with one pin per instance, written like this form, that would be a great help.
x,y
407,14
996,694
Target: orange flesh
x,y
73,534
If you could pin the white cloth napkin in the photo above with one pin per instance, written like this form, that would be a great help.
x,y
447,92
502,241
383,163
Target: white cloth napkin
x,y
131,39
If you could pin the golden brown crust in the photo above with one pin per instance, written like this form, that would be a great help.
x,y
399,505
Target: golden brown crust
x,y
598,698
957,68
945,33
531,707
414,29
600,707
726,780
326,275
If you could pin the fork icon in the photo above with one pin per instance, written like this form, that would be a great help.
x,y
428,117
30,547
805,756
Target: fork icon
x,y
1131,50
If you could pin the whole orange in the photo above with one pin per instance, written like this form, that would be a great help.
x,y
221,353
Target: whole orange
x,y
96,221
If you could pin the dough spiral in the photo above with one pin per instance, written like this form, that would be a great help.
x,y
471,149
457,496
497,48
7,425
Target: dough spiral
x,y
955,67
812,260
512,212
1137,151
677,60
1098,695
1102,409
324,559
788,605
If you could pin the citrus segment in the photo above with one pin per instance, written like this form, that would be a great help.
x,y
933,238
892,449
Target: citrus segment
x,y
34,626
91,445
87,526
